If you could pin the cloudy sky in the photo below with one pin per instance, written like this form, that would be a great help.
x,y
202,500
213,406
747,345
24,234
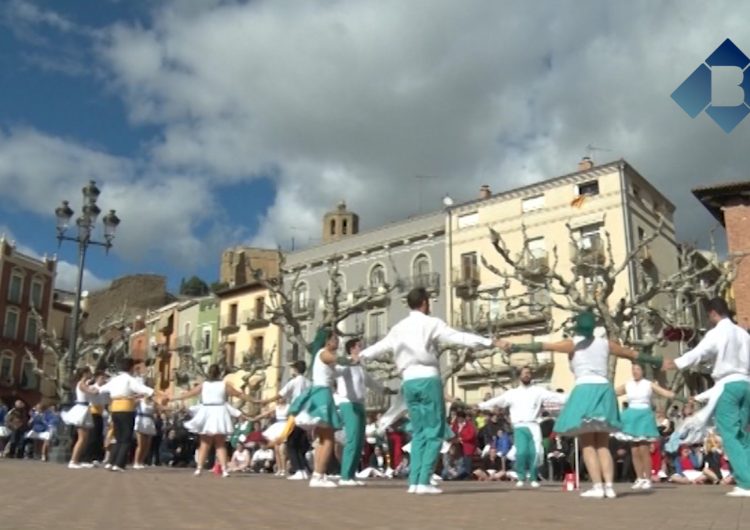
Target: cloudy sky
x,y
214,122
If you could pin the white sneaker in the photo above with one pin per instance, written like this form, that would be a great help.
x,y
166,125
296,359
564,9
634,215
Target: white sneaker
x,y
322,483
594,493
73,465
117,468
739,492
534,484
138,466
87,465
412,489
107,466
225,474
434,483
519,484
638,484
299,475
428,490
437,478
646,484
350,483
197,472
305,475
609,492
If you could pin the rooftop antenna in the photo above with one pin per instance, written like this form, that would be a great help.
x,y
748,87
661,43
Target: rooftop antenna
x,y
591,148
420,178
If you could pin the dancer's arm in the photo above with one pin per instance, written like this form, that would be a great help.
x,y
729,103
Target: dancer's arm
x,y
234,392
449,336
377,350
190,393
554,397
620,390
497,402
663,392
89,389
704,351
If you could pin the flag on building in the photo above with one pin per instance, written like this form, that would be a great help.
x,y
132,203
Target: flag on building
x,y
578,201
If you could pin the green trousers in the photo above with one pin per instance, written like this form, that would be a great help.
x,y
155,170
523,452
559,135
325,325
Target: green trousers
x,y
354,428
732,417
426,405
525,453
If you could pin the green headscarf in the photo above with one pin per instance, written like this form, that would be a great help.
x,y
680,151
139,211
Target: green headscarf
x,y
584,324
321,337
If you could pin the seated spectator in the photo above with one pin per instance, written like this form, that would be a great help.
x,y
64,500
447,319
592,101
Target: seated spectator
x,y
240,460
559,456
454,464
402,469
263,459
492,467
378,466
689,468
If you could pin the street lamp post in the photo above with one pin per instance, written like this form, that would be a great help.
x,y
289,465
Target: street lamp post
x,y
85,224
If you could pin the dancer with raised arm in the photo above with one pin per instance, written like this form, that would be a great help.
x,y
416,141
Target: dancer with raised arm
x,y
276,430
727,346
79,415
525,402
639,423
591,411
123,390
414,342
213,418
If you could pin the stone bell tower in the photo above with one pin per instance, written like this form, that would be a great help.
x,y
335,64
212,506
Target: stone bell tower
x,y
339,223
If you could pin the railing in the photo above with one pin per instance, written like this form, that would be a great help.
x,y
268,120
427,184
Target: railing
x,y
254,319
537,262
229,321
588,252
184,342
466,276
429,281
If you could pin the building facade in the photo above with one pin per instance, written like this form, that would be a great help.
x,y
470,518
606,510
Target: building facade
x,y
207,338
578,218
26,287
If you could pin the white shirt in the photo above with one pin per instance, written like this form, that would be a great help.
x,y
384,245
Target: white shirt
x,y
590,360
352,383
294,387
323,374
728,346
414,342
638,393
262,454
525,402
124,385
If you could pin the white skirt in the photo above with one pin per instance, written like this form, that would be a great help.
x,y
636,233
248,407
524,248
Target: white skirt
x,y
212,419
274,430
4,432
79,416
145,425
44,436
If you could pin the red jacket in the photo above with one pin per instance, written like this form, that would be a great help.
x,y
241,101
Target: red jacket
x,y
467,435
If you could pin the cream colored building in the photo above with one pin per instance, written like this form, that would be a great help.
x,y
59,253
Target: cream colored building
x,y
593,201
245,330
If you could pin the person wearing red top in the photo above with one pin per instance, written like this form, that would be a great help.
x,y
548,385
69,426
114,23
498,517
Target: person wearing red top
x,y
466,433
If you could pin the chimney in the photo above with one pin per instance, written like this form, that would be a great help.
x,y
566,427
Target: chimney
x,y
484,191
585,163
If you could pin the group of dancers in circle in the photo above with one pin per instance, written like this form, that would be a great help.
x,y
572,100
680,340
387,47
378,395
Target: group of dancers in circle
x,y
333,401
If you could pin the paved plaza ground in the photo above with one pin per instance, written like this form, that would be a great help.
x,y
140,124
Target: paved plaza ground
x,y
36,495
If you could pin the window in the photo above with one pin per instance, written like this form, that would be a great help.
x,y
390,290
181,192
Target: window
x,y
468,312
469,219
206,339
300,296
421,266
377,276
532,203
16,287
258,345
229,353
333,227
469,267
10,329
343,227
32,330
36,294
376,326
589,188
341,281
233,315
641,234
187,329
495,309
260,307
536,247
590,236
6,368
29,378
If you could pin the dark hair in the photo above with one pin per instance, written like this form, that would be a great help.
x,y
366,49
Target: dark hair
x,y
100,373
125,364
461,413
351,343
82,372
300,366
718,306
214,372
417,297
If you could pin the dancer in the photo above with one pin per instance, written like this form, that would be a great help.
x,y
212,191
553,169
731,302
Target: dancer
x,y
122,390
145,430
95,449
639,423
79,415
275,431
413,342
41,431
525,402
351,390
591,410
316,405
213,419
728,346
297,443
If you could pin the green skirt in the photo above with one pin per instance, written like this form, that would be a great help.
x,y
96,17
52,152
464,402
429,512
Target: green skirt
x,y
591,407
315,407
638,425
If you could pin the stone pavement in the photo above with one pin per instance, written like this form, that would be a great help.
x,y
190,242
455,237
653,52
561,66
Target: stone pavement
x,y
35,495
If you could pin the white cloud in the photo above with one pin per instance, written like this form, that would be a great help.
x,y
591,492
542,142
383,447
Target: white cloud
x,y
354,99
67,273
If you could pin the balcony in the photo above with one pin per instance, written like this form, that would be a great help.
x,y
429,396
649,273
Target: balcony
x,y
466,281
254,319
429,281
228,323
184,343
536,264
645,255
303,309
587,254
378,296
